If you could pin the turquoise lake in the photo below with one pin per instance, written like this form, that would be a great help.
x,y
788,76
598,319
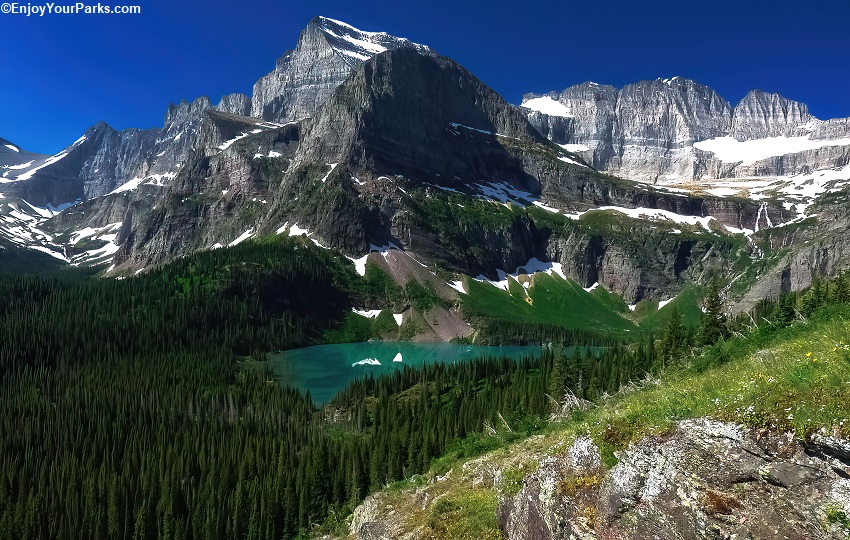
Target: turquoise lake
x,y
324,370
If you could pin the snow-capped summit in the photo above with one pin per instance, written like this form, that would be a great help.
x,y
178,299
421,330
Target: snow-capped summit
x,y
359,44
6,147
326,53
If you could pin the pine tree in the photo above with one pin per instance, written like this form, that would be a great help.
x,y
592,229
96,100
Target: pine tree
x,y
841,290
714,326
785,311
558,377
673,340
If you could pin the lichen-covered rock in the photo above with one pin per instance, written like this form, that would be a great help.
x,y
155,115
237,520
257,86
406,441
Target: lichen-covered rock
x,y
557,500
703,479
375,519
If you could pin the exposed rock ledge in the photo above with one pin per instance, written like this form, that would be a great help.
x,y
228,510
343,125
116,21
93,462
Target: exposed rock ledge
x,y
706,479
703,479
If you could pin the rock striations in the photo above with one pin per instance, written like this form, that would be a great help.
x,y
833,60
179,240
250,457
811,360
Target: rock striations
x,y
648,131
327,52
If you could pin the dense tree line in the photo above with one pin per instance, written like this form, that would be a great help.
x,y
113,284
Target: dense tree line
x,y
500,331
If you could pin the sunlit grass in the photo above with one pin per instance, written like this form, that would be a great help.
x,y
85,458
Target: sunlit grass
x,y
798,381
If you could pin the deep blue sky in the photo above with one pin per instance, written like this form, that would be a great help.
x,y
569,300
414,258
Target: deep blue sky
x,y
60,74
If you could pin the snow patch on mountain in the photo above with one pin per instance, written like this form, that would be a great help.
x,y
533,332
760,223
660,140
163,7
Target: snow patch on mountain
x,y
150,180
241,238
359,44
575,148
505,193
548,106
107,235
457,285
226,144
532,267
731,150
333,166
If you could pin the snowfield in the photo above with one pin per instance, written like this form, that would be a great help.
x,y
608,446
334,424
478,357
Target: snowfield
x,y
548,106
731,150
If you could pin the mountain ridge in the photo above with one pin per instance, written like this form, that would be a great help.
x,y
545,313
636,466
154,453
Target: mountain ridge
x,y
383,135
648,131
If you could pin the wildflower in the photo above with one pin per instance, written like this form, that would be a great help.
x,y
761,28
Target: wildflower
x,y
808,353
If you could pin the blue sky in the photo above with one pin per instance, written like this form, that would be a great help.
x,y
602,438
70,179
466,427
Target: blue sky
x,y
62,73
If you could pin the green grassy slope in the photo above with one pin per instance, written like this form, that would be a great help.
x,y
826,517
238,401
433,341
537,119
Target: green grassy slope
x,y
687,302
550,299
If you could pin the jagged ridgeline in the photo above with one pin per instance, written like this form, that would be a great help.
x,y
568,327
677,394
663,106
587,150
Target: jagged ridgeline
x,y
358,138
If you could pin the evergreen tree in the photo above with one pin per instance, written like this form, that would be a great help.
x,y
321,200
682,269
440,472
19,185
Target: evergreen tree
x,y
559,376
673,340
785,313
713,327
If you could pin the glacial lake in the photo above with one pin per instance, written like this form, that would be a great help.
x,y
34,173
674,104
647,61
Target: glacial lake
x,y
324,370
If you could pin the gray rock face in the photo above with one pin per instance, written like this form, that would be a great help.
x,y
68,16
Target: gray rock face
x,y
817,248
104,159
15,161
304,78
554,500
403,120
238,104
706,479
646,131
761,115
417,115
381,124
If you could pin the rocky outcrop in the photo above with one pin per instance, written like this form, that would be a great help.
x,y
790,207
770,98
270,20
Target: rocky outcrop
x,y
704,479
641,265
646,131
557,500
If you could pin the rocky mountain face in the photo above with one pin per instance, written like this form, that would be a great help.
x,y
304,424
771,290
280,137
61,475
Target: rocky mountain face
x,y
354,132
304,78
105,159
355,175
651,131
13,158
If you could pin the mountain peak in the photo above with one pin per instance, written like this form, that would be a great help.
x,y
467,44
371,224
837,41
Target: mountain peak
x,y
359,44
769,114
327,52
